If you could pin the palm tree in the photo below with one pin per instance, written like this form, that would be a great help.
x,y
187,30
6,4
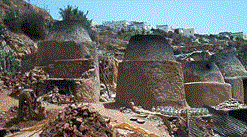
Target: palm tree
x,y
70,13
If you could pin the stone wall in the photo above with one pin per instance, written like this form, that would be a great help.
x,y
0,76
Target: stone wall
x,y
49,51
207,93
70,68
237,87
151,83
28,62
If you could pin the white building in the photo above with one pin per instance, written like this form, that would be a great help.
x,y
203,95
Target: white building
x,y
140,26
234,35
127,25
165,28
186,32
225,34
239,35
117,25
189,32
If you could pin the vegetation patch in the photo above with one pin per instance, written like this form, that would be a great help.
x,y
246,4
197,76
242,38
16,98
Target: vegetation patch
x,y
31,23
9,65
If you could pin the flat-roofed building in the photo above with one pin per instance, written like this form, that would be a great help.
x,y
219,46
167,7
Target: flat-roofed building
x,y
165,28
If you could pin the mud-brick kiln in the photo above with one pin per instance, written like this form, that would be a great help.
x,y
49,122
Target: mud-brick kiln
x,y
149,75
69,57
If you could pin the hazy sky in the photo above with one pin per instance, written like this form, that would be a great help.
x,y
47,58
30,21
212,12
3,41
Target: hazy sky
x,y
207,17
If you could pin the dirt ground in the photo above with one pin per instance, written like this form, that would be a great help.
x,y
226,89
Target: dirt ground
x,y
111,110
155,126
6,102
9,109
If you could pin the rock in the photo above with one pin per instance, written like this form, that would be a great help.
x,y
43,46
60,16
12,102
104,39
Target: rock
x,y
140,120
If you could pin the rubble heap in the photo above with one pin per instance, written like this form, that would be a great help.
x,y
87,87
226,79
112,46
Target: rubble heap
x,y
58,98
230,104
78,120
23,81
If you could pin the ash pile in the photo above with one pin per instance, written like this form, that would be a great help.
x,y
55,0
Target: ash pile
x,y
78,120
231,104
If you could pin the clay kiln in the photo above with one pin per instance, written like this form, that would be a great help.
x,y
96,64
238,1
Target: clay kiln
x,y
68,54
149,76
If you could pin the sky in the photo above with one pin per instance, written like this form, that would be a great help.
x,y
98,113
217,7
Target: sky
x,y
206,16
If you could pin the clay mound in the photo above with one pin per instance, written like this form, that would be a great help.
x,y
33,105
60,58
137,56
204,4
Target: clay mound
x,y
229,64
202,71
151,83
68,30
148,48
78,121
207,93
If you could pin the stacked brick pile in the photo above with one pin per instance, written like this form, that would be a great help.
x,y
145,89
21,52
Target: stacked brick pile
x,y
77,120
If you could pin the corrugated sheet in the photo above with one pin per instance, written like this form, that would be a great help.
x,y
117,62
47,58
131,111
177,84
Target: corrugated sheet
x,y
226,125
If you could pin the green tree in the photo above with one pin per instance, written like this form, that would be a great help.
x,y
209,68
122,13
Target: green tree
x,y
70,13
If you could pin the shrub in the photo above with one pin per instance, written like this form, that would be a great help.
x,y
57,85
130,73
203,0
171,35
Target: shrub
x,y
9,65
70,13
30,23
12,20
33,25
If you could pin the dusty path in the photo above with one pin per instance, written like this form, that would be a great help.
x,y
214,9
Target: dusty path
x,y
6,102
117,117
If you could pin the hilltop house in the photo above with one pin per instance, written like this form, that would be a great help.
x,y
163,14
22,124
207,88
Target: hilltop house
x,y
234,35
127,25
186,32
117,25
239,35
140,26
225,34
189,32
165,28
